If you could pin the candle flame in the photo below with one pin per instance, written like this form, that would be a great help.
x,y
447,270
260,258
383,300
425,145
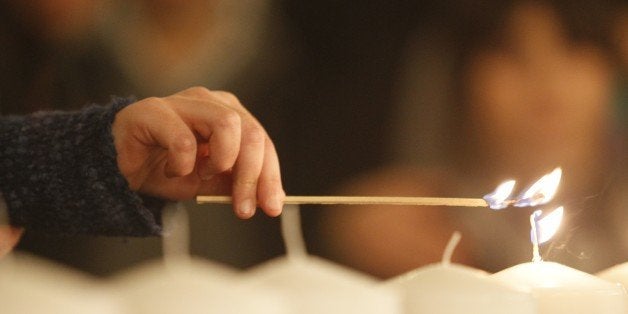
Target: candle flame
x,y
542,191
499,198
547,226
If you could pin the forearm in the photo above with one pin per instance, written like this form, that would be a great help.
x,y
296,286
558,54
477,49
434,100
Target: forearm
x,y
58,174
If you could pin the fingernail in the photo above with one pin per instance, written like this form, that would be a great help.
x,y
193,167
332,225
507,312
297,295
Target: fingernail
x,y
246,208
275,203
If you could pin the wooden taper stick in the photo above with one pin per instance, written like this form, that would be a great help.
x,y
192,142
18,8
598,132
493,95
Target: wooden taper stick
x,y
362,200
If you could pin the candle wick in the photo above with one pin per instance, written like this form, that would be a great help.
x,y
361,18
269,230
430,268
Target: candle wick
x,y
292,233
451,246
176,235
536,255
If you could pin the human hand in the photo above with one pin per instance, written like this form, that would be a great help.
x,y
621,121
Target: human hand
x,y
198,142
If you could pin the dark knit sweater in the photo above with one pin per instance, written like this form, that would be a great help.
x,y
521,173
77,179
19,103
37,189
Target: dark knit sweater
x,y
58,175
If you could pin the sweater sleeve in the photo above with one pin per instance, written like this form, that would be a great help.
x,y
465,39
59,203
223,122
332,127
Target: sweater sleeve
x,y
59,175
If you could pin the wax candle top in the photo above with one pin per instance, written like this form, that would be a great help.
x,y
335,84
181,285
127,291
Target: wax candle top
x,y
314,285
32,285
190,286
310,273
617,273
550,275
185,268
560,289
454,288
434,275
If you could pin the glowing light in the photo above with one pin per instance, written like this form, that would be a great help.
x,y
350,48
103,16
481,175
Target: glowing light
x,y
547,226
542,191
543,229
499,198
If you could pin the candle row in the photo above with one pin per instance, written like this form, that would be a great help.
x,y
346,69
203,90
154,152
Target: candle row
x,y
309,285
300,283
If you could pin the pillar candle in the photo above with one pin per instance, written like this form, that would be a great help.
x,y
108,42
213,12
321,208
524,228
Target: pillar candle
x,y
190,286
33,285
617,274
452,288
182,284
313,285
561,289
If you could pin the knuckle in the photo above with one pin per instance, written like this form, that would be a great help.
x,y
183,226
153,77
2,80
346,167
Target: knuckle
x,y
228,97
185,144
199,91
245,183
254,135
229,120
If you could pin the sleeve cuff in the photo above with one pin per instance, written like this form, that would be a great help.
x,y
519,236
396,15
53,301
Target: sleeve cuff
x,y
59,175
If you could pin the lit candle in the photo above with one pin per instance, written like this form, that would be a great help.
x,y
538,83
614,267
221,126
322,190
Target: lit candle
x,y
558,288
313,285
453,288
617,274
181,284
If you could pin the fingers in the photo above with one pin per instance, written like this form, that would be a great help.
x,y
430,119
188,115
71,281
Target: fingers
x,y
223,150
219,129
236,142
247,170
150,137
267,186
270,191
173,134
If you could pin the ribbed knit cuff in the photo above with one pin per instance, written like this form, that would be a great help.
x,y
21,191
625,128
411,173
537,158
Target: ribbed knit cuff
x,y
59,175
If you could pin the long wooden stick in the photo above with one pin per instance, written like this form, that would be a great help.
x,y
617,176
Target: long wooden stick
x,y
362,200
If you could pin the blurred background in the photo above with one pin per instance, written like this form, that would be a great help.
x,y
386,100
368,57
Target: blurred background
x,y
403,97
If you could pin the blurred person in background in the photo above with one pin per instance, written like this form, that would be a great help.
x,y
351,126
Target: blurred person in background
x,y
531,85
41,44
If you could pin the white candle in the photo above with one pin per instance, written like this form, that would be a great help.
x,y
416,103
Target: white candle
x,y
451,288
312,285
617,274
560,289
181,284
32,285
192,286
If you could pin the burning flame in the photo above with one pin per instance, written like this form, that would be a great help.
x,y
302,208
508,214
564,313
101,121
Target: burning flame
x,y
547,226
499,198
539,193
542,191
